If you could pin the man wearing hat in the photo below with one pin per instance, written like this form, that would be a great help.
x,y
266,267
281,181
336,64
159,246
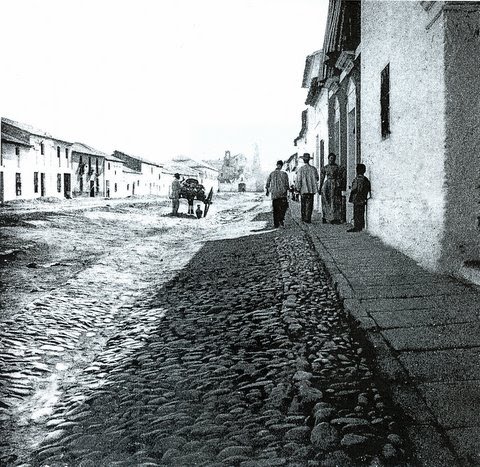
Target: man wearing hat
x,y
277,186
307,185
175,194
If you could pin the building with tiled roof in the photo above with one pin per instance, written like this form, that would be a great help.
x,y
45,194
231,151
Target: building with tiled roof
x,y
152,180
33,163
207,174
96,173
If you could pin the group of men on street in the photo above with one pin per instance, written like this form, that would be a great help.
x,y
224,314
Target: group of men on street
x,y
278,186
307,180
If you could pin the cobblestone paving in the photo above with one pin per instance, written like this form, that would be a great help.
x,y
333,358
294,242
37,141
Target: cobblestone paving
x,y
244,359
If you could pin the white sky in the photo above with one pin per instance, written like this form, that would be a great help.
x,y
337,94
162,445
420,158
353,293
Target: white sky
x,y
158,78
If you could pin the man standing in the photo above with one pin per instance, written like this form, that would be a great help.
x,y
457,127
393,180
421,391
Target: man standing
x,y
175,194
307,185
277,185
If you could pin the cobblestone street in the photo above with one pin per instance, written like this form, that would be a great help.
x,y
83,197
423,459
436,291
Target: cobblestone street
x,y
244,357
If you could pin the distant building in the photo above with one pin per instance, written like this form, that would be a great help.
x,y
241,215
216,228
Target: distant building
x,y
149,178
115,185
207,173
314,134
290,166
95,173
233,167
33,163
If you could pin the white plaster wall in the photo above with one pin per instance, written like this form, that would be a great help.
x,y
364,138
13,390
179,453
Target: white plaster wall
x,y
114,174
150,183
321,129
462,56
10,166
32,161
406,169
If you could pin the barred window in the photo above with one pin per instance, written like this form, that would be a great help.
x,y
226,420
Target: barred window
x,y
18,184
385,101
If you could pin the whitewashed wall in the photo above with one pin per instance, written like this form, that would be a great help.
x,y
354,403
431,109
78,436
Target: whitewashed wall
x,y
319,133
462,56
406,169
30,161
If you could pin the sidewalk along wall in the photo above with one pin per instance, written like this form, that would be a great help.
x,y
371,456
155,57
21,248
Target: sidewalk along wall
x,y
462,55
403,125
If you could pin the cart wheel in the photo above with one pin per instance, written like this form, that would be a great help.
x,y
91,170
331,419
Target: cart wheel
x,y
208,202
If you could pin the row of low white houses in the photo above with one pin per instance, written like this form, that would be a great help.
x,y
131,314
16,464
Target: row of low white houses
x,y
396,87
35,164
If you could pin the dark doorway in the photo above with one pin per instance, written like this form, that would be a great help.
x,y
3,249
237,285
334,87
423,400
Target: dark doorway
x,y
2,195
107,188
42,184
67,185
92,188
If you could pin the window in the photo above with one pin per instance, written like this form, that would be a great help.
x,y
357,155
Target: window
x,y
66,155
128,186
96,166
109,166
18,184
322,153
35,182
385,101
115,187
59,182
58,156
159,176
151,170
138,182
17,152
42,149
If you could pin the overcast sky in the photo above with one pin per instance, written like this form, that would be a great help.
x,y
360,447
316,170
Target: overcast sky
x,y
159,78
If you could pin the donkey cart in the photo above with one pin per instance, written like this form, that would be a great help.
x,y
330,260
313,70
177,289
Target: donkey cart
x,y
191,190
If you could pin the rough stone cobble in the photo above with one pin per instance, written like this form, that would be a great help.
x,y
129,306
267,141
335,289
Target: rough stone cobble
x,y
252,362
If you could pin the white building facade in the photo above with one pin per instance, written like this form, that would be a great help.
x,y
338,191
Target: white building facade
x,y
34,164
421,128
